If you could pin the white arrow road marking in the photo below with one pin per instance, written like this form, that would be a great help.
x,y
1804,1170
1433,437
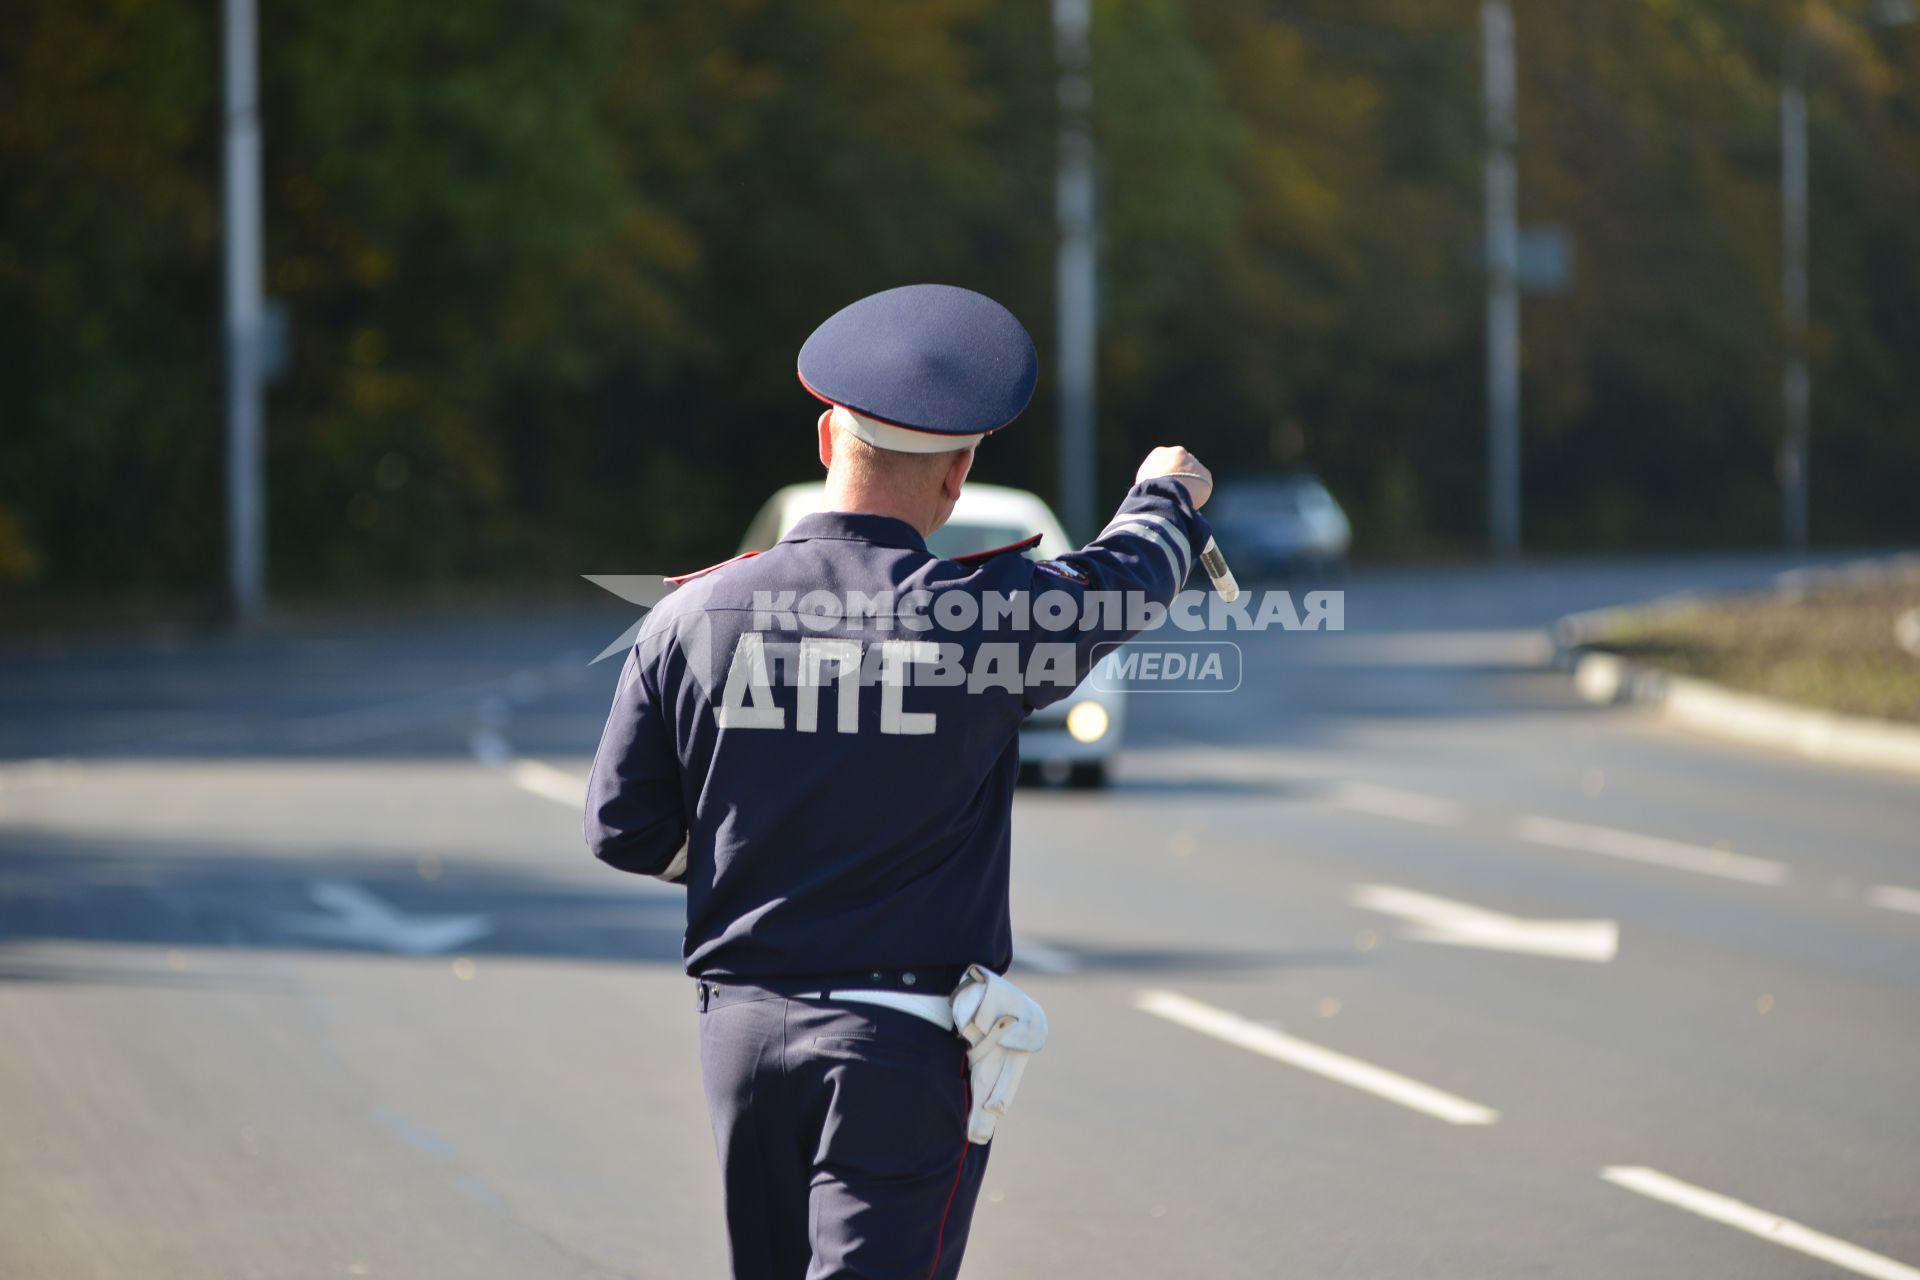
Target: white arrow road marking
x,y
1457,924
1700,859
359,917
1895,898
1784,1232
1295,1052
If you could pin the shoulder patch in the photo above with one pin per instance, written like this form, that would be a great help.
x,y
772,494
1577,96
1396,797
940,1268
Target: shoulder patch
x,y
980,557
701,573
1066,571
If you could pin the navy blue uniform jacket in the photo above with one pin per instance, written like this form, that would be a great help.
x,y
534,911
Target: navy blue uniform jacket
x,y
844,827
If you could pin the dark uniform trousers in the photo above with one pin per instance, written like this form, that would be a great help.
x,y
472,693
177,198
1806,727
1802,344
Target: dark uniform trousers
x,y
842,1133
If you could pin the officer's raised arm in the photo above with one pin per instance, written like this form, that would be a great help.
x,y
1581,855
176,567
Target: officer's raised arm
x,y
636,820
1139,561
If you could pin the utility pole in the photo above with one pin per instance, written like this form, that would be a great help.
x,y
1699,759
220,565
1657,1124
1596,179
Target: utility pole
x,y
1076,287
1796,380
1503,286
246,523
1796,388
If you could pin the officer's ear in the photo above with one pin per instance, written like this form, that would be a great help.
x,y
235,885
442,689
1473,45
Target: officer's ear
x,y
826,439
956,474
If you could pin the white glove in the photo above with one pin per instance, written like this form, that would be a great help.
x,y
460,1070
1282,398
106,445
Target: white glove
x,y
1001,1025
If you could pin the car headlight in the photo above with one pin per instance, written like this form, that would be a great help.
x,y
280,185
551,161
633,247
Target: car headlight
x,y
1087,722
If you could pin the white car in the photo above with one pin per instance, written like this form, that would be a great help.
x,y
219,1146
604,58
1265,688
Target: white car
x,y
1067,743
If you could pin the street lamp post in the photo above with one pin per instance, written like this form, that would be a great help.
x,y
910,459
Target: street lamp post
x,y
1795,382
1076,298
1503,284
245,313
1796,379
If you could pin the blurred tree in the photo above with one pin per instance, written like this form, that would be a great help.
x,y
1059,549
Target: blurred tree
x,y
1335,323
1652,135
107,294
548,264
810,152
440,188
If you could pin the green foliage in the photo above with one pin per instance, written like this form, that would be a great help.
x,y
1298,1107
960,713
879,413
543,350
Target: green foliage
x,y
107,300
548,264
439,180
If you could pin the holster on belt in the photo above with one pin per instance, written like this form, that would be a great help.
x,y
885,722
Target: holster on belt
x,y
1002,1025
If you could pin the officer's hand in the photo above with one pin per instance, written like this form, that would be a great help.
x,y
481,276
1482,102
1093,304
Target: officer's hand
x,y
1172,460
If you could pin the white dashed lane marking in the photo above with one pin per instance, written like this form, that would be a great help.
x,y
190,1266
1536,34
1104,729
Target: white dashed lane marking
x,y
1329,1064
1580,837
1895,898
1654,850
1770,1227
549,783
1459,924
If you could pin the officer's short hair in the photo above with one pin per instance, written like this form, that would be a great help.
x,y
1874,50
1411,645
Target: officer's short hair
x,y
891,465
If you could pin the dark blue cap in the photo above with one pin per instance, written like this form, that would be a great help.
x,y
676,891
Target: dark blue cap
x,y
928,357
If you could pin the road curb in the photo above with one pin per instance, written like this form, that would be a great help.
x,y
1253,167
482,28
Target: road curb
x,y
1608,679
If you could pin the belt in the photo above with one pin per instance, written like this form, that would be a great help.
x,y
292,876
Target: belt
x,y
937,1009
934,1009
934,979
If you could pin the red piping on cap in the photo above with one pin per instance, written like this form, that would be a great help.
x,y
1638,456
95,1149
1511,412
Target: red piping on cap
x,y
890,422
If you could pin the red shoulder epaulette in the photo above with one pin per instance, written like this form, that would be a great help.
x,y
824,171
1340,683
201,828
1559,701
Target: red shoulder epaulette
x,y
701,573
978,557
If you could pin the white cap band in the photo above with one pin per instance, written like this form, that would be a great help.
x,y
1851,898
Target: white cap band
x,y
884,435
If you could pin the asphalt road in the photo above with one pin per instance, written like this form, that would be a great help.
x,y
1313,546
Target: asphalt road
x,y
1396,962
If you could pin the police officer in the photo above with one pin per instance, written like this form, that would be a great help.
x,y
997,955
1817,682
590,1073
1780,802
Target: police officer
x,y
828,764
